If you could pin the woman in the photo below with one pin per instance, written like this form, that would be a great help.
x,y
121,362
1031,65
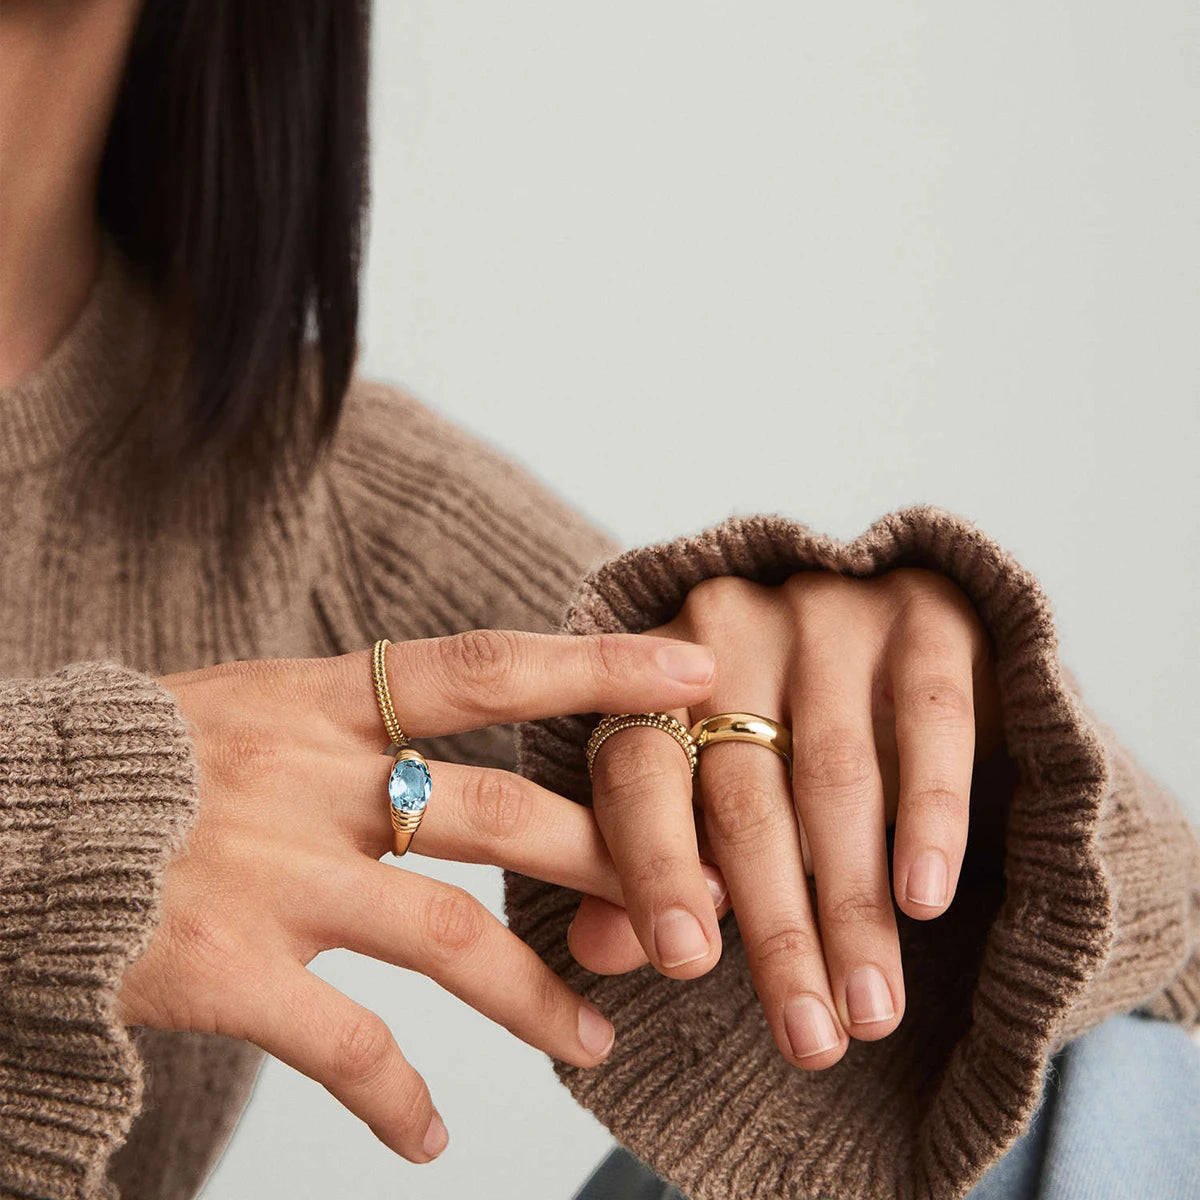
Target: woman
x,y
209,521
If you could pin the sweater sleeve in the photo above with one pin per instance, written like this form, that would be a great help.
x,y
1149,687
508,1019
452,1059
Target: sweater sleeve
x,y
97,788
1089,906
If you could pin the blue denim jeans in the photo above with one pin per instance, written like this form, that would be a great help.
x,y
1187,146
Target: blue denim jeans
x,y
1120,1121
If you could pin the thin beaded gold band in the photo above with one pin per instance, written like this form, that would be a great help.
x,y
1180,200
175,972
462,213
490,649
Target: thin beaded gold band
x,y
664,721
383,696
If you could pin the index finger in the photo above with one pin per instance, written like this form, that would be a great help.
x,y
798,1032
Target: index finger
x,y
484,677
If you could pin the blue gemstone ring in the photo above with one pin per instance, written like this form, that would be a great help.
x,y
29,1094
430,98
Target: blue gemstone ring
x,y
409,785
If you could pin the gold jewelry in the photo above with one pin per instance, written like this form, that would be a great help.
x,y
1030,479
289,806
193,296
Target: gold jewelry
x,y
409,782
744,727
383,696
664,721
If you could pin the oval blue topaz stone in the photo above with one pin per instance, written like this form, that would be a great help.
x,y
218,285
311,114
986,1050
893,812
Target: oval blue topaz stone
x,y
409,785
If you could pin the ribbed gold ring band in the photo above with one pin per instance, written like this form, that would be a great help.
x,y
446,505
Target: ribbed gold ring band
x,y
664,721
382,695
744,727
409,783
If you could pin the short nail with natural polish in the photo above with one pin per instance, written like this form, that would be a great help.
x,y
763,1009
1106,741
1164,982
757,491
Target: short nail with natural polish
x,y
436,1137
686,662
810,1028
679,938
868,996
596,1033
927,880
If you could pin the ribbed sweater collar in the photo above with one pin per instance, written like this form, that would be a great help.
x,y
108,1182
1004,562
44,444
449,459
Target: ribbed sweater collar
x,y
84,381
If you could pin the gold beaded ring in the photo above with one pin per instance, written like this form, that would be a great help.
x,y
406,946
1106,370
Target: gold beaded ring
x,y
664,721
409,782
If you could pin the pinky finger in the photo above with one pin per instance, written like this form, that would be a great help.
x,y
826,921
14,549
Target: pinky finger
x,y
601,938
350,1051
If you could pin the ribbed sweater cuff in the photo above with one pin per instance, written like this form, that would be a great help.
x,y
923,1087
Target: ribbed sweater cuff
x,y
1095,912
97,787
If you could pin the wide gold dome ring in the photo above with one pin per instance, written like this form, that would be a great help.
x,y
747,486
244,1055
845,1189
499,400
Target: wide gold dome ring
x,y
744,727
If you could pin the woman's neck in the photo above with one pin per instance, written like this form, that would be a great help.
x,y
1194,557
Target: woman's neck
x,y
60,69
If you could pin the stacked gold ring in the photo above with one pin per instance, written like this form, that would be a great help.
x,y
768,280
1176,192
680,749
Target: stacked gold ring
x,y
664,721
409,782
720,727
744,727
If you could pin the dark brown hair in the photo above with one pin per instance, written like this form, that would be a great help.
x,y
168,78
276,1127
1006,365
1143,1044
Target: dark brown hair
x,y
235,179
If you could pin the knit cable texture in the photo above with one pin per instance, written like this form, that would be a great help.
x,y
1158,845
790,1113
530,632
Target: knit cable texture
x,y
97,788
1095,912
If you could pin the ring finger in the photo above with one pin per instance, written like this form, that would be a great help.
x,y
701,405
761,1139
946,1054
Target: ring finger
x,y
839,796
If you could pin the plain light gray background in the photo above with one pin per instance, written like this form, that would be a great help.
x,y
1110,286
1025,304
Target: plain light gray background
x,y
686,259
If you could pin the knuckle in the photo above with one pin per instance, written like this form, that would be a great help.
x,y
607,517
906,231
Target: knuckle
x,y
480,661
611,658
941,798
501,808
453,923
548,993
937,698
789,944
835,760
629,767
362,1051
718,601
855,907
742,816
659,868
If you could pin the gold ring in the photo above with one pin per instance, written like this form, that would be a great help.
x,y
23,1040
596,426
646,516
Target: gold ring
x,y
664,721
409,782
744,727
383,696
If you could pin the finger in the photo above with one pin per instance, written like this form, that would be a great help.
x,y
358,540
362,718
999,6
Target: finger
x,y
932,686
839,796
311,1026
642,798
496,676
445,933
484,815
601,938
752,827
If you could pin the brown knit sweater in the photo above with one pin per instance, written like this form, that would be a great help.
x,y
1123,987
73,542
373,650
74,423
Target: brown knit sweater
x,y
1087,906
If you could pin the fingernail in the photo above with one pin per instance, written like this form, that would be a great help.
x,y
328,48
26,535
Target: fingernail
x,y
810,1028
679,938
596,1034
686,662
927,880
716,883
868,997
436,1137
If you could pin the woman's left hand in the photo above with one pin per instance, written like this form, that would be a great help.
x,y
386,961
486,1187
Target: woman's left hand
x,y
888,688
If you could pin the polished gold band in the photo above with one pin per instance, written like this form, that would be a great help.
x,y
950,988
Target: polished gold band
x,y
382,695
664,721
744,727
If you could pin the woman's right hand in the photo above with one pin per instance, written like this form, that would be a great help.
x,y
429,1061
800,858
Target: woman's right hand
x,y
293,816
